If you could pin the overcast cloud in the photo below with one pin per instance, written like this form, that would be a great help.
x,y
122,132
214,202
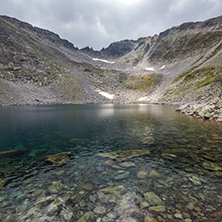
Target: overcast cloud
x,y
97,23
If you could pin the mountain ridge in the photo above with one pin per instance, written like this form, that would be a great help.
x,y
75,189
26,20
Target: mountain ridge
x,y
178,65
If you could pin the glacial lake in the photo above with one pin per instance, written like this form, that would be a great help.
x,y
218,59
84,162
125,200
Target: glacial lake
x,y
107,162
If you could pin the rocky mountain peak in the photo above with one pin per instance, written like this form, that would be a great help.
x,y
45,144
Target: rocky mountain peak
x,y
41,33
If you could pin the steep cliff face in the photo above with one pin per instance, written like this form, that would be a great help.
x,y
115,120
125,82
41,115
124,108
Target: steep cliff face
x,y
181,64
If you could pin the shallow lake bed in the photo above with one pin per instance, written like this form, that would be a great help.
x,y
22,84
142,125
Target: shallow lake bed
x,y
115,163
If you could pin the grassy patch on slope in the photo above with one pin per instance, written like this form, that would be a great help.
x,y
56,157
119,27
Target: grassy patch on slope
x,y
140,82
190,74
71,87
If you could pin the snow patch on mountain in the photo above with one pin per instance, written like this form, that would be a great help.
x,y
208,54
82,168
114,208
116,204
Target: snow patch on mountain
x,y
150,69
105,94
103,60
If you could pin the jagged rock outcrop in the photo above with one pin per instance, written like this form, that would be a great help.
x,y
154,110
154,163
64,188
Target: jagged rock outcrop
x,y
118,49
114,50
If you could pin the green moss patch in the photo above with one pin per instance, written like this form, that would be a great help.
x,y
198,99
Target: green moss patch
x,y
140,82
71,87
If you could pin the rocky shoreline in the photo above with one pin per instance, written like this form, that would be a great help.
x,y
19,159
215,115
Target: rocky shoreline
x,y
211,110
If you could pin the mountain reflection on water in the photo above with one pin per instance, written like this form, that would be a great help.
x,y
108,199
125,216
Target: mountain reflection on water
x,y
116,163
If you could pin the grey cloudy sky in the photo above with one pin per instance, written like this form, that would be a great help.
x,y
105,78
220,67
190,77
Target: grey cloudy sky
x,y
97,23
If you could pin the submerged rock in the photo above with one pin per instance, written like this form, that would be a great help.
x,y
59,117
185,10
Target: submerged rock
x,y
120,202
2,184
127,164
190,206
116,167
153,199
154,174
141,174
110,194
87,186
148,140
66,214
59,172
195,180
89,216
108,162
212,166
157,208
55,187
99,210
150,219
125,154
122,176
168,155
179,216
58,158
37,152
144,204
15,152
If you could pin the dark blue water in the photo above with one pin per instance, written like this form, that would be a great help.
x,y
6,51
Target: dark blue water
x,y
183,167
23,125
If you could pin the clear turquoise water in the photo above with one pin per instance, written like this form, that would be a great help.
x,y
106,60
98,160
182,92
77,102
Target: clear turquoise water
x,y
186,152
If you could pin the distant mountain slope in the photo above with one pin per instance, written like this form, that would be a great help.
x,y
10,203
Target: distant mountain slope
x,y
114,50
188,55
181,64
29,53
186,40
38,67
181,42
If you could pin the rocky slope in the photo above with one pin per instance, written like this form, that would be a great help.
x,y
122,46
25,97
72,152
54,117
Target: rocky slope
x,y
37,67
189,57
181,64
114,50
